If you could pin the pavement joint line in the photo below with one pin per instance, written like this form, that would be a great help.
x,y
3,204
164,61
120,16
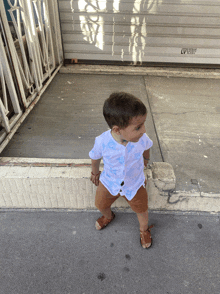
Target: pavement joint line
x,y
118,210
24,164
44,162
153,120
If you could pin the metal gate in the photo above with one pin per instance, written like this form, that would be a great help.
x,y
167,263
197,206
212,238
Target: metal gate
x,y
31,54
183,31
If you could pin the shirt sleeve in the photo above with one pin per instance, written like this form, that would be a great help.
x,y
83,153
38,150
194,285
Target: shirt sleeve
x,y
148,142
96,152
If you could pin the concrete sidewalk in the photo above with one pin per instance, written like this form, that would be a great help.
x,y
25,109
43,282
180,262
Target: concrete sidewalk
x,y
183,121
69,116
186,112
61,252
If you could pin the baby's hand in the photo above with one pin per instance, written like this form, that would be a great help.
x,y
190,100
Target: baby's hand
x,y
95,178
145,162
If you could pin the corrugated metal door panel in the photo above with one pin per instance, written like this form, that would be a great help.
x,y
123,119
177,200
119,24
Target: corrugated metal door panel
x,y
142,30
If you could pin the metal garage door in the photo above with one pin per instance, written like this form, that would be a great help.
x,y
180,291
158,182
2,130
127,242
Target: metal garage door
x,y
183,31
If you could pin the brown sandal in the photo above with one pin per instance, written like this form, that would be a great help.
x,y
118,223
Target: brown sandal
x,y
102,222
146,238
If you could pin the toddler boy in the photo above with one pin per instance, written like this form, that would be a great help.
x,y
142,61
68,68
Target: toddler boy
x,y
125,150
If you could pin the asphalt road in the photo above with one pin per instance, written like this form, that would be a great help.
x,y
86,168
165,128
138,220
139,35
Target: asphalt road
x,y
61,252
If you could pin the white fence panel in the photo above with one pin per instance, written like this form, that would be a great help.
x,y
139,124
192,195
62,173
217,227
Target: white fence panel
x,y
31,52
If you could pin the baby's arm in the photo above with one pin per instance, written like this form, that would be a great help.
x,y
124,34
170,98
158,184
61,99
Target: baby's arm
x,y
95,171
146,156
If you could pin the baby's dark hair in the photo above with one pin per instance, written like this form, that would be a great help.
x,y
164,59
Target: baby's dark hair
x,y
121,107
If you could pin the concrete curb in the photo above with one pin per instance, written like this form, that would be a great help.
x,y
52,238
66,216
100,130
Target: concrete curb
x,y
33,183
143,71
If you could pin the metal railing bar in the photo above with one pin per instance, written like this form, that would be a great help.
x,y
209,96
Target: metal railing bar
x,y
28,110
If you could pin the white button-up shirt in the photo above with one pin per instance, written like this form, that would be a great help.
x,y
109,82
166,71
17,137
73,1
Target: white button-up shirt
x,y
121,163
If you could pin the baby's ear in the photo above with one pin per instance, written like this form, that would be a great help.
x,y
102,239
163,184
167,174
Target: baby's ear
x,y
116,130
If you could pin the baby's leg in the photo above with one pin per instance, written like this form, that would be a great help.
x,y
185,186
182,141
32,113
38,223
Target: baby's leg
x,y
106,212
139,204
103,202
143,220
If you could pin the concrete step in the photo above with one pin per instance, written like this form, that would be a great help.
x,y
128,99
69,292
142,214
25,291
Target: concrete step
x,y
34,183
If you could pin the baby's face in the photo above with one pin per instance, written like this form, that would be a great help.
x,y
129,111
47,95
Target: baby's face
x,y
135,130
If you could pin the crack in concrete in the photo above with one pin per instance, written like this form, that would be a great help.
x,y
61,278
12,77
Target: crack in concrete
x,y
155,129
170,194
